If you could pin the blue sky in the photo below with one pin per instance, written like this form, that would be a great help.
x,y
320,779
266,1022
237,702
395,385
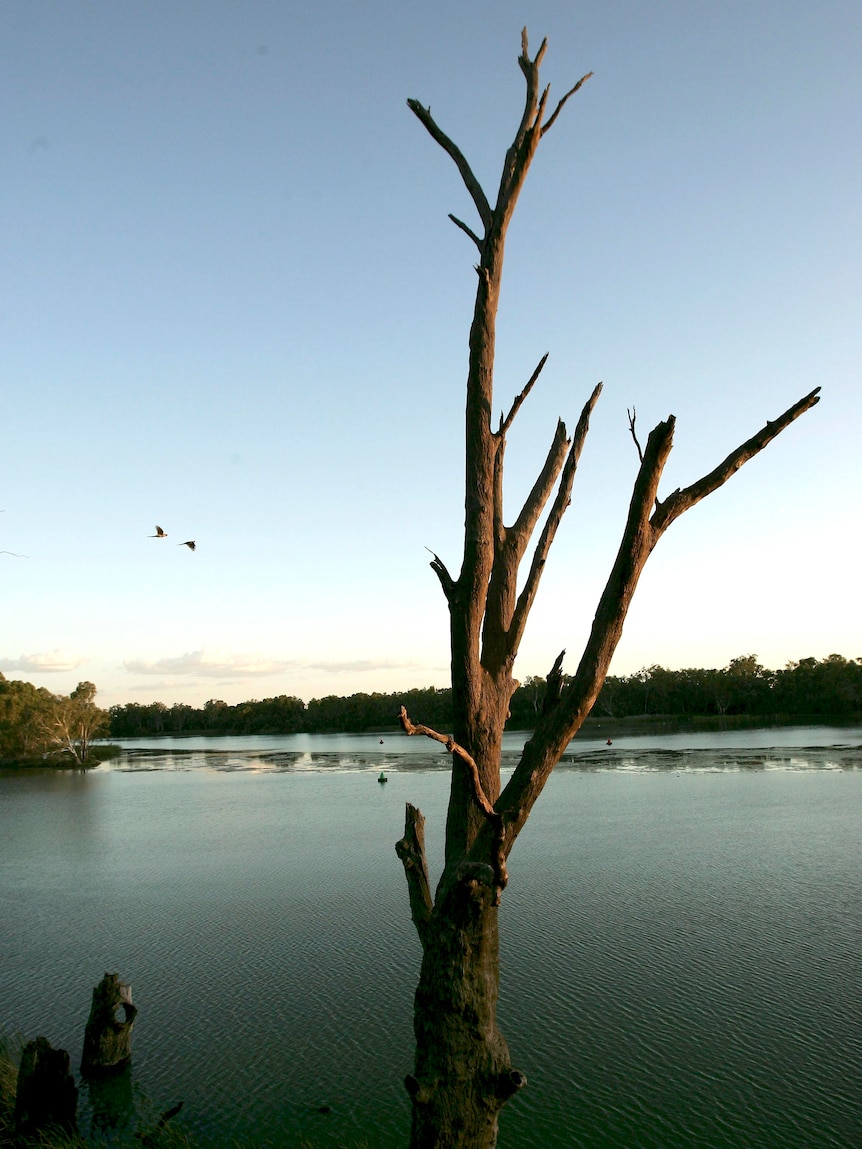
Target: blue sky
x,y
233,305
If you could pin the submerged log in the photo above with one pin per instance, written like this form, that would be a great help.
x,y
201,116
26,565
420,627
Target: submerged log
x,y
46,1096
107,1039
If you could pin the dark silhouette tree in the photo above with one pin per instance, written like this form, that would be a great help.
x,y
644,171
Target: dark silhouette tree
x,y
463,1074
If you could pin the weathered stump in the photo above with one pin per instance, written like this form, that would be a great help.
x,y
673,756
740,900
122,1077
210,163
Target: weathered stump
x,y
107,1039
46,1097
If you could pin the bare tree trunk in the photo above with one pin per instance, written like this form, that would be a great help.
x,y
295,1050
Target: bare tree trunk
x,y
463,1074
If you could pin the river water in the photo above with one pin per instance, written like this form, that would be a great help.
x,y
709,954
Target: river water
x,y
681,937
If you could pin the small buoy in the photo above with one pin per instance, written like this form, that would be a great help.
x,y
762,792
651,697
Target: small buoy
x,y
609,743
382,778
381,741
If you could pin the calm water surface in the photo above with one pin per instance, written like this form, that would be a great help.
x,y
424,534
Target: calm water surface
x,y
681,938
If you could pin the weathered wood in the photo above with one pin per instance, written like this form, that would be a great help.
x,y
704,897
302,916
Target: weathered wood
x,y
46,1097
411,851
462,1073
107,1039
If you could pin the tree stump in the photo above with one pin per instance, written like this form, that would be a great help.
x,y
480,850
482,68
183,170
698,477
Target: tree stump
x,y
46,1096
107,1039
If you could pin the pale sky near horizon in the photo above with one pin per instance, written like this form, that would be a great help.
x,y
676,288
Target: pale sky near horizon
x,y
233,305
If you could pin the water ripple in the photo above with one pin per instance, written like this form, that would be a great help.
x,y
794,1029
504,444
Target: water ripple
x,y
681,956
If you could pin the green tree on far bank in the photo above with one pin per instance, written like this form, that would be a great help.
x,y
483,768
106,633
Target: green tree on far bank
x,y
24,709
75,722
36,725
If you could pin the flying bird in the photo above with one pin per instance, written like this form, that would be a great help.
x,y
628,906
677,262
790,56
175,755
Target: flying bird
x,y
160,534
190,543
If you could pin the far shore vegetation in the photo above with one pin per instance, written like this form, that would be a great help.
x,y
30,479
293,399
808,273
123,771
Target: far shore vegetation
x,y
38,728
808,690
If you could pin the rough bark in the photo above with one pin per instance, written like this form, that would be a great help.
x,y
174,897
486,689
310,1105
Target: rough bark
x,y
463,1074
107,1038
46,1097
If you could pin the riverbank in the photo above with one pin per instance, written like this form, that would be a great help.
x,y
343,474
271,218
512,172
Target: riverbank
x,y
594,727
707,723
102,752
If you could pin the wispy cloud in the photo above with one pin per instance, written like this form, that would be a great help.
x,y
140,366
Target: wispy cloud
x,y
211,664
358,665
220,664
51,663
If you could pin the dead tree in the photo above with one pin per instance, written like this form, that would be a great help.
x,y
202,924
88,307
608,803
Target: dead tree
x,y
46,1097
107,1036
463,1074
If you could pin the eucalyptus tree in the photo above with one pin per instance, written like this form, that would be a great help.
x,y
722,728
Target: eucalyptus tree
x,y
463,1074
74,723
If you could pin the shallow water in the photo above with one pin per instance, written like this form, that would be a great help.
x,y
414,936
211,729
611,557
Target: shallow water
x,y
681,937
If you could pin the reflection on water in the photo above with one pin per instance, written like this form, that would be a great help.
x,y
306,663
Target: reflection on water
x,y
772,748
681,938
110,1101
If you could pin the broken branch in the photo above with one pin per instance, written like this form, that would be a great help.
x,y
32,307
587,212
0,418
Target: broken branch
x,y
507,422
469,231
411,851
452,746
674,505
446,580
554,684
559,107
494,820
632,417
454,152
555,516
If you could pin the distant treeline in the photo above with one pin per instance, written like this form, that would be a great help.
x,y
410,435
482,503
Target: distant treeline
x,y
809,688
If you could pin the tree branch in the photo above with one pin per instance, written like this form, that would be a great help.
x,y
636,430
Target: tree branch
x,y
680,501
530,68
547,127
558,509
642,532
554,684
470,182
534,504
519,399
526,139
540,111
452,746
446,580
411,851
493,819
510,544
632,417
469,231
556,728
